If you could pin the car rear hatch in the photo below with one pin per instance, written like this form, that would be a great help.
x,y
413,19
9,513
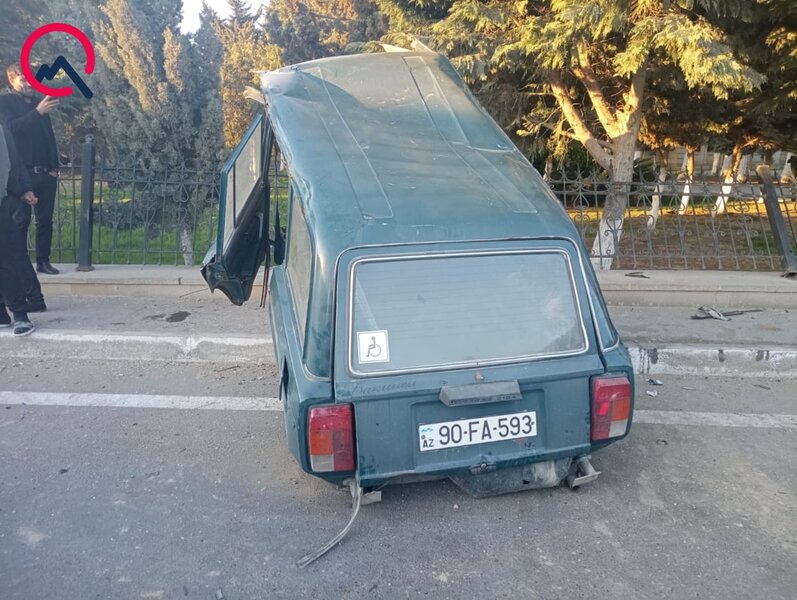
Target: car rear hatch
x,y
461,360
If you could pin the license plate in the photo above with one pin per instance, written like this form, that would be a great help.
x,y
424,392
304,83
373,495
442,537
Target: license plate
x,y
465,432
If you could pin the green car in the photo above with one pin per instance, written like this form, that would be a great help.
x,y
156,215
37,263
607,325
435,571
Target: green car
x,y
433,309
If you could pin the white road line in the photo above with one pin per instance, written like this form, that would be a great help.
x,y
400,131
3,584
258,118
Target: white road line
x,y
655,417
140,401
187,341
712,419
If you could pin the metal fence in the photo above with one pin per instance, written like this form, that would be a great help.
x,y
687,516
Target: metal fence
x,y
137,216
678,224
169,217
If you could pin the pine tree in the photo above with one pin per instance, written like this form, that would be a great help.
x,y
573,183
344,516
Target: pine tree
x,y
245,51
19,19
147,105
208,56
240,13
767,38
299,32
308,29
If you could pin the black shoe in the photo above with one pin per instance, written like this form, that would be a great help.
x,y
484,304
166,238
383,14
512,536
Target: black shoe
x,y
44,266
36,306
5,318
23,328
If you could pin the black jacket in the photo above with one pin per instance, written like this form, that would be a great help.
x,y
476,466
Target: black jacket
x,y
18,178
33,133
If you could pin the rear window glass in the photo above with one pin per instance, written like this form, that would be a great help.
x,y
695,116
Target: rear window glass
x,y
418,313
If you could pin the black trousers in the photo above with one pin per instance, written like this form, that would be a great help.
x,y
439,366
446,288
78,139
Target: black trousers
x,y
45,188
15,216
12,259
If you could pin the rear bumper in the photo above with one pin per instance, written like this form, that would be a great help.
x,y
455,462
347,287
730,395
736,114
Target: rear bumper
x,y
537,475
492,468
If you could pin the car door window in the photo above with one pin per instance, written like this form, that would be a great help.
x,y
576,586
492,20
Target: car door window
x,y
299,260
240,176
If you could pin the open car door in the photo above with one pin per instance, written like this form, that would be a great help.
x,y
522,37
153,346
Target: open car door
x,y
231,264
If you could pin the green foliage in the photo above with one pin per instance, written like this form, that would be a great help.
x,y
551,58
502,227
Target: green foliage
x,y
695,46
305,30
244,51
147,105
596,58
208,54
20,18
297,33
764,36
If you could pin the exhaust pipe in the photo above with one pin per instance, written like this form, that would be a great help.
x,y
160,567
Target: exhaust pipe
x,y
581,472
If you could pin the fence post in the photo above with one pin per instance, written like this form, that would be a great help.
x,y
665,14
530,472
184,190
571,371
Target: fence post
x,y
86,206
776,221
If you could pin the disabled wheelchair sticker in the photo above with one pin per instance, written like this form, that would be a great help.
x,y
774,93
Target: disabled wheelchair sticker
x,y
372,346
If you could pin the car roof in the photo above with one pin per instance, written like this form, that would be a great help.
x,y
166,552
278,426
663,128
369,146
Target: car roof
x,y
392,148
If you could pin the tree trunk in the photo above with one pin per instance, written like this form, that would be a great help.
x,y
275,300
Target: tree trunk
x,y
729,178
655,207
546,177
621,123
768,159
186,246
744,167
715,166
786,174
702,160
610,228
686,195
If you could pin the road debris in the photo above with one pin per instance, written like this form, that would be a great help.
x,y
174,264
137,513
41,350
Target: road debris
x,y
652,393
638,274
357,495
762,386
710,313
707,312
655,382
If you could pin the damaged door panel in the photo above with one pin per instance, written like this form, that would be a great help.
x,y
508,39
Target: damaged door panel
x,y
231,264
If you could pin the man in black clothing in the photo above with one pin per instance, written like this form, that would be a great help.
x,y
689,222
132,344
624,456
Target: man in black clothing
x,y
28,120
15,192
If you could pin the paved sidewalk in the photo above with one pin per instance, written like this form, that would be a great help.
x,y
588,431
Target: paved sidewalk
x,y
205,327
657,288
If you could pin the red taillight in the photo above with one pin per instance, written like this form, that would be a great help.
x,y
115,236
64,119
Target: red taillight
x,y
611,406
330,435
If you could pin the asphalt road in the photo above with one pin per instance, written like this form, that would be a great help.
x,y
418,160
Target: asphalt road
x,y
131,502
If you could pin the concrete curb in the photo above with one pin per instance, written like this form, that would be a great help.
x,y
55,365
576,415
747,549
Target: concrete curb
x,y
126,280
140,346
647,359
721,289
715,361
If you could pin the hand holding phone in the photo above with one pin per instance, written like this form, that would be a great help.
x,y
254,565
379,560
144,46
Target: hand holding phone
x,y
48,105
